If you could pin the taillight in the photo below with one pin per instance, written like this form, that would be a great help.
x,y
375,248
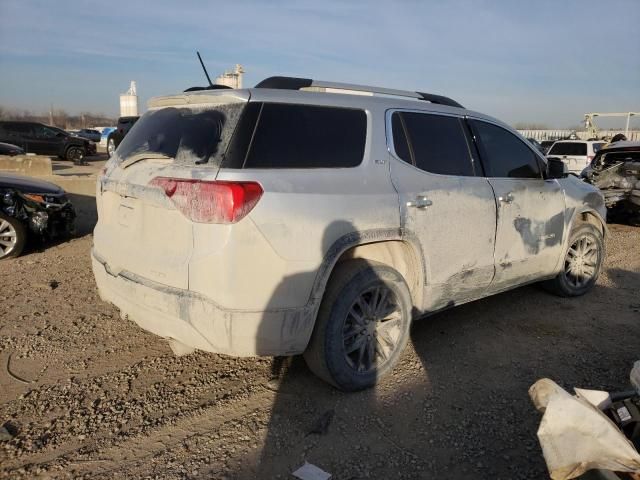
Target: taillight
x,y
210,201
589,158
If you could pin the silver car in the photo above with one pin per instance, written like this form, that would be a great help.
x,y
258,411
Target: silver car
x,y
321,218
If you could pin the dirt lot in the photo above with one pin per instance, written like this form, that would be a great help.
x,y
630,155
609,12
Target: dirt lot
x,y
88,394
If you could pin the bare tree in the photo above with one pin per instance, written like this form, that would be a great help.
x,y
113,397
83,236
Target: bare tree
x,y
531,126
61,118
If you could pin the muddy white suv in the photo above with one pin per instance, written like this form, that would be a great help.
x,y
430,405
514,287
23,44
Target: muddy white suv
x,y
321,218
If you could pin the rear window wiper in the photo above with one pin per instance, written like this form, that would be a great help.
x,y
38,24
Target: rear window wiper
x,y
143,156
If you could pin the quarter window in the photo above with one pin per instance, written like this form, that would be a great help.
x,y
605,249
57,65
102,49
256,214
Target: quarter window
x,y
433,143
504,154
306,136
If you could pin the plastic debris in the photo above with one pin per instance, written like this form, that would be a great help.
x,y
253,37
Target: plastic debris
x,y
635,376
308,471
576,436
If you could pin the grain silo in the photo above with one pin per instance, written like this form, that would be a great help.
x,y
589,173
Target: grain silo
x,y
129,102
231,79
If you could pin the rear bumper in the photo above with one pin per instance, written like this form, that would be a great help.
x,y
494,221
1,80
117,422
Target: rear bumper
x,y
198,322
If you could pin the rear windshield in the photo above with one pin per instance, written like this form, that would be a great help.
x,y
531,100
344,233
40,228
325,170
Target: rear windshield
x,y
597,146
187,135
568,148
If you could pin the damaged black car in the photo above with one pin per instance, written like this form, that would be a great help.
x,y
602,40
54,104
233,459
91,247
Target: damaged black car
x,y
615,170
30,207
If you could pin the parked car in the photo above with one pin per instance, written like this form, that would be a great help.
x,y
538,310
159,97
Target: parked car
x,y
615,170
41,139
537,145
30,207
279,221
104,136
546,145
8,149
89,134
576,154
115,137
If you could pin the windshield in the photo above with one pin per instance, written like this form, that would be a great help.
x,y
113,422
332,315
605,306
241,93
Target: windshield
x,y
187,135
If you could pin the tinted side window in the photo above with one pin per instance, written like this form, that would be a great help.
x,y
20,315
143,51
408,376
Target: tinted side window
x,y
239,146
305,136
504,154
568,148
400,144
437,143
41,131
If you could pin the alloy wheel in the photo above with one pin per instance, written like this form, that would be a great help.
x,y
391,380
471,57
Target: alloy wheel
x,y
8,238
581,261
372,329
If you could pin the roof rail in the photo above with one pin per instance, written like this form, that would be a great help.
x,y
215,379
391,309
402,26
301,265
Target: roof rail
x,y
295,83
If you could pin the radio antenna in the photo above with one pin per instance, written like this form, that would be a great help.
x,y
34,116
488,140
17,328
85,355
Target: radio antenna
x,y
205,69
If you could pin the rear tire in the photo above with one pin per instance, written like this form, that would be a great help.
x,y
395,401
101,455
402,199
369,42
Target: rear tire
x,y
362,325
582,262
13,237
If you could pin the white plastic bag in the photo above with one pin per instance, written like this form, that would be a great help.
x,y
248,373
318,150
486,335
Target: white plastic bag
x,y
635,376
575,436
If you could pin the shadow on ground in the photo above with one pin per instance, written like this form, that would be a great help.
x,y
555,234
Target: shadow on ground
x,y
457,405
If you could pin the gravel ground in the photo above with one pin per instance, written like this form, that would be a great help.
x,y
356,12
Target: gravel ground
x,y
84,393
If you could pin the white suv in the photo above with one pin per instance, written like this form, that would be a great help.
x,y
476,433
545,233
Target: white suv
x,y
576,154
284,219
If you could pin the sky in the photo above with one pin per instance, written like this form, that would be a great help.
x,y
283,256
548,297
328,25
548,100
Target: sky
x,y
543,61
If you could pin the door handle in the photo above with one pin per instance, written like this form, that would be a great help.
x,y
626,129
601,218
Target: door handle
x,y
420,202
507,198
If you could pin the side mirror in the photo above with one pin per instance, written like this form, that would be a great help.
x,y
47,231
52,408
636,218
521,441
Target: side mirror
x,y
60,134
556,168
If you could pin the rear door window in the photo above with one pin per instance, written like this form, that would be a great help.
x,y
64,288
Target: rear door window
x,y
433,143
569,148
505,155
307,136
19,129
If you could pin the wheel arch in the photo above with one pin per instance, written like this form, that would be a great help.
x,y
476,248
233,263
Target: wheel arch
x,y
579,216
589,215
393,247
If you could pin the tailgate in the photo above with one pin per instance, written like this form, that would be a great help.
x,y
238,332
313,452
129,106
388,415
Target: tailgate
x,y
139,228
575,162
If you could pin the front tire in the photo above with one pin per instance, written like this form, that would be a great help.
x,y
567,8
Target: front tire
x,y
362,325
582,262
13,237
75,154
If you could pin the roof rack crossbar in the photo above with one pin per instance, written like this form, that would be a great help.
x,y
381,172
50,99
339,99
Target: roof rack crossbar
x,y
294,83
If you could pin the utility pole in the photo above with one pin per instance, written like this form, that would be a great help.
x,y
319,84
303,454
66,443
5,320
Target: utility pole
x,y
51,114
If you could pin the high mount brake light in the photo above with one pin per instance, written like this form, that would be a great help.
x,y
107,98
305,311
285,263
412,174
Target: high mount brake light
x,y
210,201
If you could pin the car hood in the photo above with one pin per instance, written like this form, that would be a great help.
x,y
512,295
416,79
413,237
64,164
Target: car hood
x,y
28,184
